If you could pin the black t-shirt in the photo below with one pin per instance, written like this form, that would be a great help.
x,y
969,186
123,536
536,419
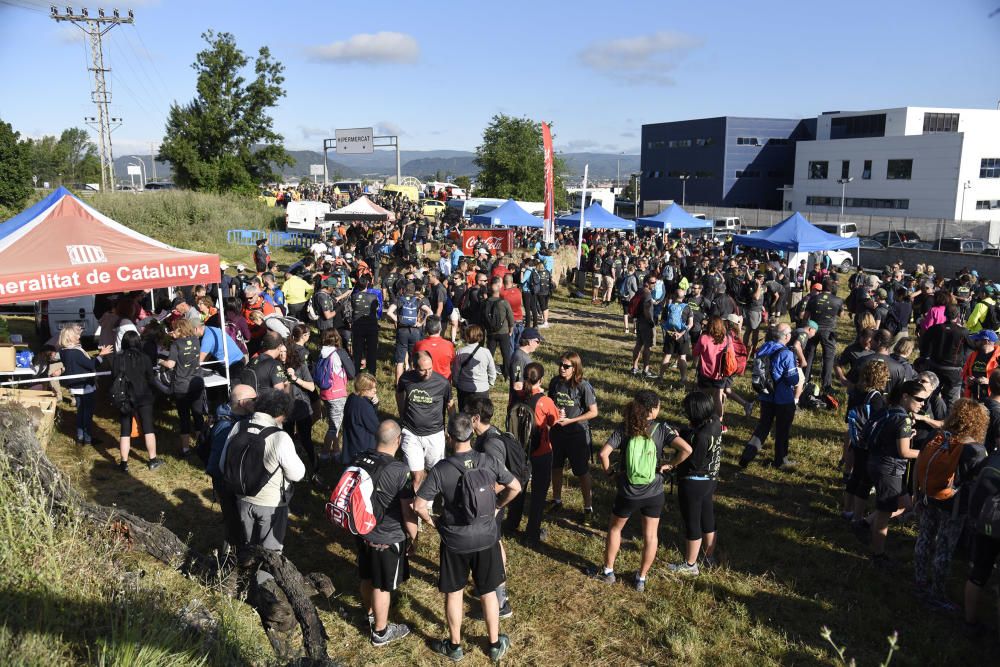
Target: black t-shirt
x,y
443,480
184,352
898,373
706,451
575,401
490,443
825,309
393,485
944,344
424,402
897,426
269,372
324,303
436,294
662,435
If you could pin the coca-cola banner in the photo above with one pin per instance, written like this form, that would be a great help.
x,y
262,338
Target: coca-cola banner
x,y
497,240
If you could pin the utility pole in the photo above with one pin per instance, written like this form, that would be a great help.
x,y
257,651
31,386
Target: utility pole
x,y
152,158
95,27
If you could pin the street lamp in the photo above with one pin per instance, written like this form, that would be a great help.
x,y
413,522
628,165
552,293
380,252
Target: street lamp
x,y
684,179
961,213
843,192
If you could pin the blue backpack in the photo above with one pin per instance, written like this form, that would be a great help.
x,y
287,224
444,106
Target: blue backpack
x,y
674,320
409,311
858,416
323,373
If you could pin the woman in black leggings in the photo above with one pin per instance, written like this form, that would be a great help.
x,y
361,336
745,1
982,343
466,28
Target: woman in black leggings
x,y
138,371
696,481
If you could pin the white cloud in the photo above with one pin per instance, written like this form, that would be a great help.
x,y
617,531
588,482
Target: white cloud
x,y
381,47
388,128
646,59
310,132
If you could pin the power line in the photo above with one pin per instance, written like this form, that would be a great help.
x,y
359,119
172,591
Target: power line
x,y
95,27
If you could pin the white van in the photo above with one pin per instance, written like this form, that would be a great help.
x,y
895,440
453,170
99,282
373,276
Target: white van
x,y
727,225
51,316
847,230
303,216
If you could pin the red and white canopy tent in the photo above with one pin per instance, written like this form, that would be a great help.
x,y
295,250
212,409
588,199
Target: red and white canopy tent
x,y
362,209
61,248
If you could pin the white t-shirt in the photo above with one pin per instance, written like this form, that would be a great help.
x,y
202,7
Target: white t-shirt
x,y
279,455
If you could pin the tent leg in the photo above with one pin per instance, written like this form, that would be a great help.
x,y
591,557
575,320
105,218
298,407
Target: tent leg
x,y
225,346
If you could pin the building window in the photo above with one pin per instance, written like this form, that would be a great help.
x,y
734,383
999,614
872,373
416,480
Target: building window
x,y
989,167
987,204
778,141
747,141
675,173
852,127
866,173
704,174
818,170
845,169
655,145
940,122
899,170
859,202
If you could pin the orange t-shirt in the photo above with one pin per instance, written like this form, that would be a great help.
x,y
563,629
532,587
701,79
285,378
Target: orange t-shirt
x,y
442,353
546,414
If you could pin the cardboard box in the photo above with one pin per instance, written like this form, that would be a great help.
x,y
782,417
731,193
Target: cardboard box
x,y
7,362
41,407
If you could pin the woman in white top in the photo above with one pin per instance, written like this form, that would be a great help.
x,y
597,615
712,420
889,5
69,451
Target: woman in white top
x,y
126,310
473,371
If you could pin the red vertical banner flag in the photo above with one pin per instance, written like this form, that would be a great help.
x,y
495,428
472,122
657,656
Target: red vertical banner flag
x,y
549,193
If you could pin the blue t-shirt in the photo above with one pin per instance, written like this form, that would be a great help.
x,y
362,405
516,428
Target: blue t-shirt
x,y
211,344
783,370
456,257
548,261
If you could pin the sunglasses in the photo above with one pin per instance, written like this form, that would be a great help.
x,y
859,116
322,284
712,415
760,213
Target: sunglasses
x,y
565,367
919,399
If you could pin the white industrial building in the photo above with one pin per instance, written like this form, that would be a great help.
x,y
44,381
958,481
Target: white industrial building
x,y
915,162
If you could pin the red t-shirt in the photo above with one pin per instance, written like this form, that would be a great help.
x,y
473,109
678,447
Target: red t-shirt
x,y
442,353
546,414
513,297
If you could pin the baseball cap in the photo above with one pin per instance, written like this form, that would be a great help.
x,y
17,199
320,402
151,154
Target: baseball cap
x,y
986,334
881,293
818,287
734,318
240,267
990,289
223,265
811,324
531,333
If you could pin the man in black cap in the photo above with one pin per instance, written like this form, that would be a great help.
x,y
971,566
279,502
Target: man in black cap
x,y
529,342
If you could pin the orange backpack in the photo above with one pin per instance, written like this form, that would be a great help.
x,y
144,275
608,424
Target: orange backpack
x,y
936,466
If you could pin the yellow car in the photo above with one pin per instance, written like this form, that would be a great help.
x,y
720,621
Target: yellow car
x,y
431,208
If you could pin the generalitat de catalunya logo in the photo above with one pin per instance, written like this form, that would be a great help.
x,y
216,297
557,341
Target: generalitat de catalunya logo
x,y
86,254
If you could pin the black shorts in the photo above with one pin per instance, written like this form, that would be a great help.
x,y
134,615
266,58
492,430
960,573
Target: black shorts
x,y
385,568
888,486
572,446
644,333
708,383
486,567
650,507
543,302
860,483
406,338
679,346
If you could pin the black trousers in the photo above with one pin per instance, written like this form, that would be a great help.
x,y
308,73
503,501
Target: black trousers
x,y
503,340
828,339
780,416
541,479
951,382
530,306
364,345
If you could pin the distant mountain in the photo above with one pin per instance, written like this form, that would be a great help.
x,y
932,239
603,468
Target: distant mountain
x,y
163,172
421,164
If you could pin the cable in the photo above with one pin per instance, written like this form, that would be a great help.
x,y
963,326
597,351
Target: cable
x,y
152,63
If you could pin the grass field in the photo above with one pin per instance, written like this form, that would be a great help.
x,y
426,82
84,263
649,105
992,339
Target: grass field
x,y
789,565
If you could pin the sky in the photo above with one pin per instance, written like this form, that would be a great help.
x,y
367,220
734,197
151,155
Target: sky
x,y
436,73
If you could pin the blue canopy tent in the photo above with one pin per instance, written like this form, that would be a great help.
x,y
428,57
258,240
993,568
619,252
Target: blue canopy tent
x,y
674,217
595,217
795,234
508,214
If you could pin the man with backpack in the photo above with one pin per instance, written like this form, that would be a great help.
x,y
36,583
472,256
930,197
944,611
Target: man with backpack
x,y
383,549
259,465
529,292
627,289
498,320
366,310
984,314
466,483
545,288
943,345
641,309
776,381
507,452
228,415
266,371
408,312
677,322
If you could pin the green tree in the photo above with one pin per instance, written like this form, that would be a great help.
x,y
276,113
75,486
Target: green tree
x,y
15,169
47,159
81,163
463,182
224,139
512,164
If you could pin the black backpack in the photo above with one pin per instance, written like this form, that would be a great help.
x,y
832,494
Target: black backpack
x,y
249,374
121,386
515,458
762,378
544,281
521,424
991,321
493,316
243,469
475,498
361,305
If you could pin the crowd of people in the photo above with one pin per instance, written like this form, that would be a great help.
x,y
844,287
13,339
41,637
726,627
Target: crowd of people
x,y
920,377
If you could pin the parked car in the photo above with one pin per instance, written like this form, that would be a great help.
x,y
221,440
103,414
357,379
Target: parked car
x,y
842,260
846,230
894,236
870,243
51,316
914,245
956,244
431,208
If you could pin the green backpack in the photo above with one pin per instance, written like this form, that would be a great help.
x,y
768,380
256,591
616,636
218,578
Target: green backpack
x,y
641,459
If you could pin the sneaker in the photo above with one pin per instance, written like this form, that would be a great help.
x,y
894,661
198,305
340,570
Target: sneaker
x,y
787,465
506,611
588,518
371,622
725,429
749,454
123,466
155,463
392,632
443,646
500,649
555,505
601,575
640,584
635,371
649,375
688,570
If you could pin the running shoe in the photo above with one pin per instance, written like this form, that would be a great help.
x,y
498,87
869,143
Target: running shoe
x,y
588,518
506,611
500,649
155,463
640,584
123,466
688,570
443,646
392,632
599,574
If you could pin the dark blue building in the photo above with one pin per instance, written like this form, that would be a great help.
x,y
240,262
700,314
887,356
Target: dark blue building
x,y
728,161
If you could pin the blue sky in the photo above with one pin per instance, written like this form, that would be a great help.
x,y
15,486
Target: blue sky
x,y
437,72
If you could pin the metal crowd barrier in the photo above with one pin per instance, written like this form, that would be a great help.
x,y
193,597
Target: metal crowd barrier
x,y
249,237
